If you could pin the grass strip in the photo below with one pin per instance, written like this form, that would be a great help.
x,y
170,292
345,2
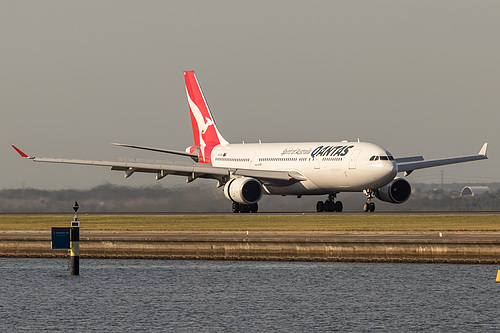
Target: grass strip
x,y
259,222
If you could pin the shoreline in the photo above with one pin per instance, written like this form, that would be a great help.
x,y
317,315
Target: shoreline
x,y
456,247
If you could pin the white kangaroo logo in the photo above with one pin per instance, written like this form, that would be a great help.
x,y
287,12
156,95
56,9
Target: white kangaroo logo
x,y
206,124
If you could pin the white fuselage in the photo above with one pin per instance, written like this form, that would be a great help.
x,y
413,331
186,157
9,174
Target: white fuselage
x,y
329,167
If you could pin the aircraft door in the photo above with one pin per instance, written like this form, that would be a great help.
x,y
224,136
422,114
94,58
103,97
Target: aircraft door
x,y
253,161
317,161
353,159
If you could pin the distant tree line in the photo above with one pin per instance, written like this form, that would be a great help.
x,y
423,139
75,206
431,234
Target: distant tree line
x,y
205,197
439,200
108,198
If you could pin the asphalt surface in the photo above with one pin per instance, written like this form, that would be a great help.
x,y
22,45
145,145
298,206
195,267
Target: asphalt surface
x,y
260,213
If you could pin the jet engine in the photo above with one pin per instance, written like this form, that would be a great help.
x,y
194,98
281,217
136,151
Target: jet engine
x,y
243,190
397,191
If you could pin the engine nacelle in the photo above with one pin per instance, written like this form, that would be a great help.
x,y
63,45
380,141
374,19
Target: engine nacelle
x,y
397,191
243,190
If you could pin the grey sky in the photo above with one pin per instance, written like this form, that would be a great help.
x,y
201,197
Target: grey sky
x,y
416,77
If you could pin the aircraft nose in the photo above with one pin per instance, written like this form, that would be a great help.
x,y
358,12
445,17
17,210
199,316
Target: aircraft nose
x,y
389,170
394,169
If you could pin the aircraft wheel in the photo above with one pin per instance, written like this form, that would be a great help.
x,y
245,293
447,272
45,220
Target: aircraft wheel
x,y
236,207
339,206
372,207
254,208
320,206
244,208
329,206
366,207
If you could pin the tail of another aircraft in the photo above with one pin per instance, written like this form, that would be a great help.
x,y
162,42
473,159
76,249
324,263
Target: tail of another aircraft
x,y
205,131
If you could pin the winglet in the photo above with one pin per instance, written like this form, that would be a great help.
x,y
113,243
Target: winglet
x,y
20,152
484,149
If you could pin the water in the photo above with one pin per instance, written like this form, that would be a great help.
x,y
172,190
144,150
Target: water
x,y
214,296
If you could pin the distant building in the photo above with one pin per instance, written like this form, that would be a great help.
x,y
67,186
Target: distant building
x,y
470,191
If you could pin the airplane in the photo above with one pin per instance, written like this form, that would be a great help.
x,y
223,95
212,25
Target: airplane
x,y
246,171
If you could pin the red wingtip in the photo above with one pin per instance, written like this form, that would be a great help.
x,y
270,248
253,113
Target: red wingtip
x,y
20,151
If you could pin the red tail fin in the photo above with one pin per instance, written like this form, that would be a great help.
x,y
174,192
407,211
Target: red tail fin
x,y
205,132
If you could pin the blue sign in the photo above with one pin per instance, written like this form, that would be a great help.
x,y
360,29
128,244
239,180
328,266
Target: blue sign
x,y
60,238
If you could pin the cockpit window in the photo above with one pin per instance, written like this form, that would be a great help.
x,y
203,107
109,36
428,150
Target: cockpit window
x,y
382,157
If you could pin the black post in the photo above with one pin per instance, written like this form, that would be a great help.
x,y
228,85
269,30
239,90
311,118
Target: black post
x,y
74,238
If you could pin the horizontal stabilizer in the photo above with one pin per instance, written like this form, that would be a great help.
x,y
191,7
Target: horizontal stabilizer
x,y
160,150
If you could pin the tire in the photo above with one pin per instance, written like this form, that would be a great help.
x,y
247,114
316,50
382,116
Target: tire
x,y
320,206
339,206
366,207
236,207
254,208
372,207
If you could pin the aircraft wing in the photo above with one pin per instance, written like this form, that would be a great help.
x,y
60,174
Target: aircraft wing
x,y
192,171
411,164
402,160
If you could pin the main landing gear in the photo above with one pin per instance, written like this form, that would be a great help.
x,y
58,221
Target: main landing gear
x,y
369,206
241,208
329,205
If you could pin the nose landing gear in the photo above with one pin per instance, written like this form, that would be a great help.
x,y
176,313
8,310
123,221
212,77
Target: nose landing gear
x,y
369,206
330,205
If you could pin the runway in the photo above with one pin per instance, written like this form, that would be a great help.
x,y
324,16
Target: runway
x,y
226,213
